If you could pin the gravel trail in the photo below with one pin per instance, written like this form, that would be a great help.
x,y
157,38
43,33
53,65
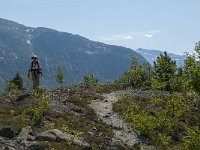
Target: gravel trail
x,y
123,133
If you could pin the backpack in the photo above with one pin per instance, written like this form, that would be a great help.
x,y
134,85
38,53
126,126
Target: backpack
x,y
39,68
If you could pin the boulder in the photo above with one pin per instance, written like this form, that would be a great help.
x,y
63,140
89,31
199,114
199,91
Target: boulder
x,y
56,135
26,134
11,144
28,145
7,132
8,144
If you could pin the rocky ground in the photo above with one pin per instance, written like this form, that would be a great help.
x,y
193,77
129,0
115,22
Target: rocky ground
x,y
78,118
123,133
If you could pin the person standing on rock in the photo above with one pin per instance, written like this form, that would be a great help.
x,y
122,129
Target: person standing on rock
x,y
35,71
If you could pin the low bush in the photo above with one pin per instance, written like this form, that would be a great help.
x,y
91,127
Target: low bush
x,y
171,122
42,104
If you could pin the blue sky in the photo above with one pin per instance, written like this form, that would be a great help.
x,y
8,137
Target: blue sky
x,y
170,25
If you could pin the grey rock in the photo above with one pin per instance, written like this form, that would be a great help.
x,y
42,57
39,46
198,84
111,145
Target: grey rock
x,y
51,136
8,148
56,135
32,145
14,144
7,132
116,142
26,134
7,144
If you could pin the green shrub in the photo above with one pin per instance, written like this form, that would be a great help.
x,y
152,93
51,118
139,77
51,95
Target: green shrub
x,y
192,140
60,76
14,87
15,84
11,92
90,80
168,122
42,104
165,69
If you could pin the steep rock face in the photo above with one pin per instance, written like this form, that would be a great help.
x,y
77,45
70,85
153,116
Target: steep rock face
x,y
76,55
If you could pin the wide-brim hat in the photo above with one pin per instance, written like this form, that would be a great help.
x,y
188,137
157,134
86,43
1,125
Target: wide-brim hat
x,y
34,56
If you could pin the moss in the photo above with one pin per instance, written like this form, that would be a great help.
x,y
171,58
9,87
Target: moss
x,y
15,117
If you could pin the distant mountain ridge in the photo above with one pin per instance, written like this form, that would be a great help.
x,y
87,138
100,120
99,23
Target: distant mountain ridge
x,y
77,56
151,55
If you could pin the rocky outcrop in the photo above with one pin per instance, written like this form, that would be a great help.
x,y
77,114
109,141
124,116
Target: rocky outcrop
x,y
13,144
24,141
56,135
27,141
26,134
7,144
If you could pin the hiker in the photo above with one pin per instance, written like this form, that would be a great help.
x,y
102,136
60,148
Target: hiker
x,y
35,71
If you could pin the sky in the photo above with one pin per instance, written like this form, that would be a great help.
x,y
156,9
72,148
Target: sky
x,y
167,25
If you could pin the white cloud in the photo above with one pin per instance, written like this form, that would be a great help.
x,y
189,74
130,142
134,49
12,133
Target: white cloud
x,y
148,36
128,36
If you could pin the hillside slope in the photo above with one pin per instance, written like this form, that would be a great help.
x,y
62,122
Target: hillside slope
x,y
73,121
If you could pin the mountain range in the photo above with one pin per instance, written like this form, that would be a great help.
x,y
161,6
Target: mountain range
x,y
151,55
76,55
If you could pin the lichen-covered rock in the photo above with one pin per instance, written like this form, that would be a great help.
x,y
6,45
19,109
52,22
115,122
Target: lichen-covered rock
x,y
56,135
28,145
7,144
13,144
26,134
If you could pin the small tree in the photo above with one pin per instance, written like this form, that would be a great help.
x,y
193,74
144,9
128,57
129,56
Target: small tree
x,y
178,84
18,81
148,75
90,80
37,111
191,70
136,76
14,88
165,69
60,76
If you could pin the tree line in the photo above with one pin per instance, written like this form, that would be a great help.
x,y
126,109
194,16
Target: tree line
x,y
164,74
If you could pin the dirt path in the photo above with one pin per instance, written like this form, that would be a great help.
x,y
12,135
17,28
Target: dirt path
x,y
122,131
